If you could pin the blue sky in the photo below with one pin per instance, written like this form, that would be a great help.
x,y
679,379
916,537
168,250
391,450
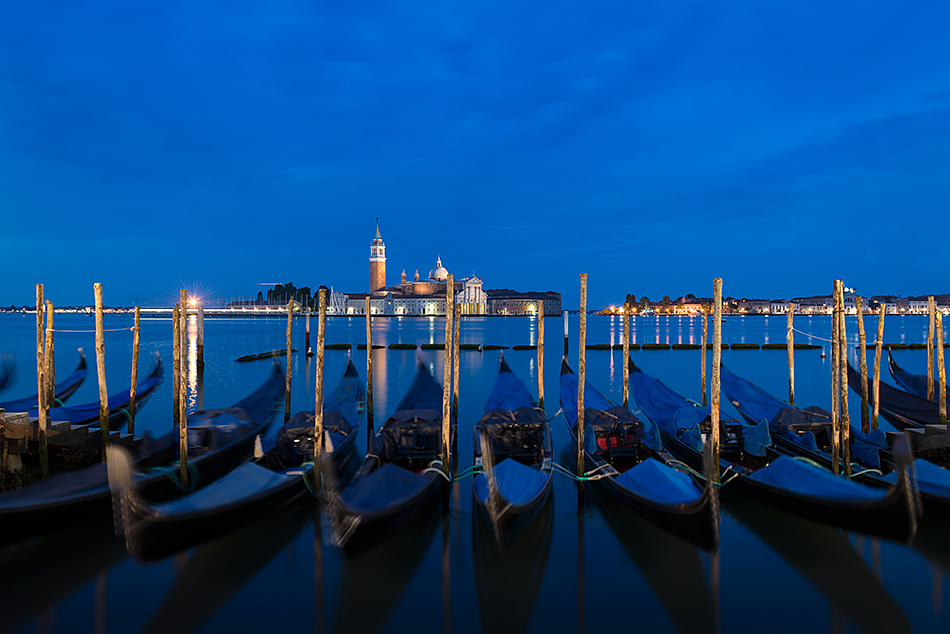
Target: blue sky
x,y
652,145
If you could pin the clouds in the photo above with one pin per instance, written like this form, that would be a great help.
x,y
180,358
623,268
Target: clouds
x,y
508,136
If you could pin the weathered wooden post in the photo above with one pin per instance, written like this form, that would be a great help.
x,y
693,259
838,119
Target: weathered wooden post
x,y
835,376
318,405
183,388
135,369
290,365
626,355
369,365
716,363
176,362
941,369
41,388
843,364
790,340
541,358
50,359
581,374
930,347
50,379
565,333
455,360
201,335
862,343
877,365
447,371
101,370
702,356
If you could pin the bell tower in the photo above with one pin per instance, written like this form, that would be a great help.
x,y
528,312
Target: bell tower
x,y
377,262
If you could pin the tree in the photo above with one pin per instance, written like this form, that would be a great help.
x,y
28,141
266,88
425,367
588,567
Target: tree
x,y
260,297
690,296
666,300
644,302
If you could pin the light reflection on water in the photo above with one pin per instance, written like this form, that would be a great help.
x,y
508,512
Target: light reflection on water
x,y
627,566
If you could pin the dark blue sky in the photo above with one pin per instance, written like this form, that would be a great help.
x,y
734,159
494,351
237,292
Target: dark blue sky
x,y
652,145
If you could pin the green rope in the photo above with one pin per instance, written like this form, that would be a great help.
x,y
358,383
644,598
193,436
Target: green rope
x,y
172,473
471,471
306,480
124,411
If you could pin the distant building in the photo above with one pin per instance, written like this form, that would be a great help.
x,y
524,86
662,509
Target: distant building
x,y
427,296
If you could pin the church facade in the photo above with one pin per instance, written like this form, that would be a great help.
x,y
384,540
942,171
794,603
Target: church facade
x,y
426,296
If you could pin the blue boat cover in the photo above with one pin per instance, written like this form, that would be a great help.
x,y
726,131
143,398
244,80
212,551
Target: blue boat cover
x,y
246,481
655,481
594,400
89,412
67,386
517,484
390,486
670,411
931,479
865,448
916,384
509,393
804,478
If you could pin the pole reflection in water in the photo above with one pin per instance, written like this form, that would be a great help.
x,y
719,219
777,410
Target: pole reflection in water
x,y
508,582
824,556
446,572
581,512
937,592
318,570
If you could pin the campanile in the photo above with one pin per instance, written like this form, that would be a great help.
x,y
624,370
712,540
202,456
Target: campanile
x,y
377,262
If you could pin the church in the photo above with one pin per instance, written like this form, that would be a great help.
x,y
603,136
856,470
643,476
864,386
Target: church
x,y
417,296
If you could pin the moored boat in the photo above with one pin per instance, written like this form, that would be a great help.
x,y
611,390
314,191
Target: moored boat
x,y
748,462
513,445
626,454
64,389
281,475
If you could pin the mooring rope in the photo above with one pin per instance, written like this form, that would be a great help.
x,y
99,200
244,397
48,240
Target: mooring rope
x,y
801,332
172,473
106,330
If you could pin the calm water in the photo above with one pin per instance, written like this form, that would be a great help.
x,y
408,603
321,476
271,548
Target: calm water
x,y
602,568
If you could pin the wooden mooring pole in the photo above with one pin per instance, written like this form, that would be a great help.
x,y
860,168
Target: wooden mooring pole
x,y
176,363
565,334
702,356
541,359
289,364
941,369
456,325
714,397
183,389
307,329
581,375
843,364
50,359
135,369
318,404
447,372
931,315
626,355
835,376
101,371
369,365
863,351
41,383
790,341
877,366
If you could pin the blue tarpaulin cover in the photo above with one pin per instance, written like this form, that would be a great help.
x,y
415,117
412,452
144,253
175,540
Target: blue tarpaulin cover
x,y
806,479
931,478
517,483
594,400
670,411
654,480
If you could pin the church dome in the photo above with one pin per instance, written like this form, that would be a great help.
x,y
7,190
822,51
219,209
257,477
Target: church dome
x,y
438,273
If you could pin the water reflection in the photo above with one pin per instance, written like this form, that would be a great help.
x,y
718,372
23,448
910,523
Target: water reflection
x,y
216,571
825,557
508,581
379,576
192,363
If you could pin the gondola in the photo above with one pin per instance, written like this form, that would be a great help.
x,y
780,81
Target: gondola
x,y
516,479
629,455
901,409
88,413
916,384
218,440
748,462
402,471
807,432
281,475
64,389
